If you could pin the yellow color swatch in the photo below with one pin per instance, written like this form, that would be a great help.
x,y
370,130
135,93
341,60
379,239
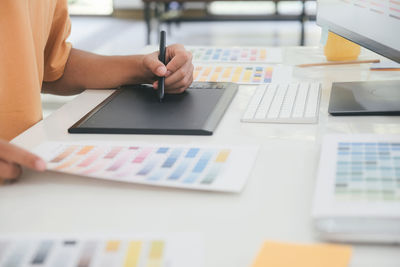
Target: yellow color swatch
x,y
247,75
227,72
223,155
112,246
207,71
133,254
236,75
214,77
156,254
274,254
263,53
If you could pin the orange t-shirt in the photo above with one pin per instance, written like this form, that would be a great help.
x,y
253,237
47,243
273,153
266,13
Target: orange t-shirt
x,y
33,49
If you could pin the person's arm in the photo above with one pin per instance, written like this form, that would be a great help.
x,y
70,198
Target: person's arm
x,y
86,70
12,158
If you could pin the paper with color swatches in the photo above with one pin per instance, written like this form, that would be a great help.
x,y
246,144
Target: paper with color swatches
x,y
244,74
358,175
236,54
275,254
180,250
223,168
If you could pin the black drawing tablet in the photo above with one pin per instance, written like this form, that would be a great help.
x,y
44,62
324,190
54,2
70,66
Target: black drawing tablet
x,y
135,109
365,98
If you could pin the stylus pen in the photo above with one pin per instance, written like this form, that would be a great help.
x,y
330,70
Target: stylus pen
x,y
161,57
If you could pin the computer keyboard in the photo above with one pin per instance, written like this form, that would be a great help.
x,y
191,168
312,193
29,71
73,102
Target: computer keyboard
x,y
284,103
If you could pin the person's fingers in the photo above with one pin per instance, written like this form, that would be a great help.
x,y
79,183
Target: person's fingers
x,y
14,154
173,50
178,75
152,63
9,171
176,83
178,57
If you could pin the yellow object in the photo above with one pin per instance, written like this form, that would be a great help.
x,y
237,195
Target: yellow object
x,y
274,254
223,155
112,246
133,254
156,254
339,49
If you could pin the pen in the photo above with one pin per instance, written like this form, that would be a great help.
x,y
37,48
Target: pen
x,y
161,57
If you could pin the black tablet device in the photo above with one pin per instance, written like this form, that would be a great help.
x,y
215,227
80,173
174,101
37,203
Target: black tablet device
x,y
365,98
135,109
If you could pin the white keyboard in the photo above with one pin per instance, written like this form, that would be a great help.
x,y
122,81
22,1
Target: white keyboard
x,y
284,103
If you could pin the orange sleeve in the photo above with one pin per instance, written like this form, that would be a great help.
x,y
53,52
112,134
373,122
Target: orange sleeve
x,y
57,49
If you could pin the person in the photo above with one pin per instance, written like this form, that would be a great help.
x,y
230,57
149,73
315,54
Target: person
x,y
35,57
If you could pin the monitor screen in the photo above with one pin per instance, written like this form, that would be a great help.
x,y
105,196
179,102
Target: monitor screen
x,y
374,24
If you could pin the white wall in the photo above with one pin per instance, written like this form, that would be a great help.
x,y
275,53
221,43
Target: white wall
x,y
127,4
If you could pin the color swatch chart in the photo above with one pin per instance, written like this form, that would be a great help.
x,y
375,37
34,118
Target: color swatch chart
x,y
53,251
207,168
236,54
246,74
368,170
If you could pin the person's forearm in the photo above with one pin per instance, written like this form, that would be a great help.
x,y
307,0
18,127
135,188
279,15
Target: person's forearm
x,y
86,70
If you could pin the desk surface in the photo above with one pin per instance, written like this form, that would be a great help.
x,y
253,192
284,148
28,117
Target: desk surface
x,y
275,204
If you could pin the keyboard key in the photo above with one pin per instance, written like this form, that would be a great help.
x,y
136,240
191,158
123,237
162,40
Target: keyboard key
x,y
266,102
287,106
312,103
255,102
301,99
277,102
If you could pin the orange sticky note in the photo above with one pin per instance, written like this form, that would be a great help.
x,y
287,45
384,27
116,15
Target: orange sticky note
x,y
274,254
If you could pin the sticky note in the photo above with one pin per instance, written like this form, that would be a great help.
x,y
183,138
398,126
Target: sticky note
x,y
275,254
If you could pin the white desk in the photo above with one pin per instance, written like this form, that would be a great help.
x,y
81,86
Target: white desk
x,y
275,204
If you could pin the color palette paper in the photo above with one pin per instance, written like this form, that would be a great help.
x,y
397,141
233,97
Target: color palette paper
x,y
178,250
288,255
368,170
236,54
359,175
196,167
245,74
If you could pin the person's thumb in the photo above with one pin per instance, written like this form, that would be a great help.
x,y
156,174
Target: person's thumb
x,y
154,65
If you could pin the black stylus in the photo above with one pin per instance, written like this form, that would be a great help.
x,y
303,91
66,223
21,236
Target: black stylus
x,y
161,57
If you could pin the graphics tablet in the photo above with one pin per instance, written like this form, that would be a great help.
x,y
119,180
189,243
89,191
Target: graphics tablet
x,y
135,109
365,98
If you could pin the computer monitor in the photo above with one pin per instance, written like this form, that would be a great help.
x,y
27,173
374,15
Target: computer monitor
x,y
375,25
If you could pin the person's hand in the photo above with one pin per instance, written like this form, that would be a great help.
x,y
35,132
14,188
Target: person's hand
x,y
12,158
178,72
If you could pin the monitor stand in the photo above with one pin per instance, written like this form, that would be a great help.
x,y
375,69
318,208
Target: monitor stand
x,y
365,98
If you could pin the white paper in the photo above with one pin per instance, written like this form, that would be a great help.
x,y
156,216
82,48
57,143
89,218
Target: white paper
x,y
163,250
215,168
362,204
242,73
207,54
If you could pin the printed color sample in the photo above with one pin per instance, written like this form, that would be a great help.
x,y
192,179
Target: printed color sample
x,y
84,253
236,54
246,74
207,168
368,171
